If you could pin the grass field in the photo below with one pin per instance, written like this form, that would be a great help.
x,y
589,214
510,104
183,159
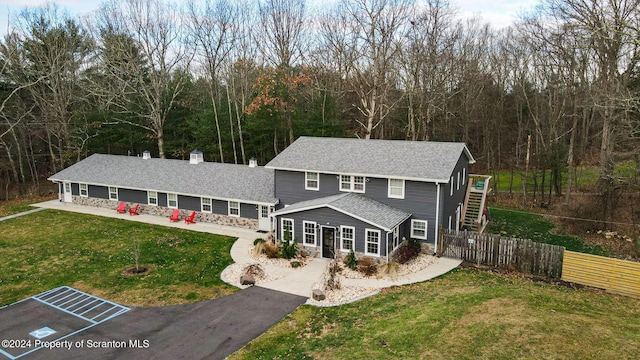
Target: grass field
x,y
526,225
465,314
11,207
51,248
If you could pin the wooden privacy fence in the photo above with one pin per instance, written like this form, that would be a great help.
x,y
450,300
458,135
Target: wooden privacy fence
x,y
494,250
614,275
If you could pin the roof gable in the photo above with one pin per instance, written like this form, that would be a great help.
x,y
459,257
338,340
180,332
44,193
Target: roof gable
x,y
413,160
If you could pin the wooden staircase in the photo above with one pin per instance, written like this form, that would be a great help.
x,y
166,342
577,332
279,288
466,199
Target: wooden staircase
x,y
474,203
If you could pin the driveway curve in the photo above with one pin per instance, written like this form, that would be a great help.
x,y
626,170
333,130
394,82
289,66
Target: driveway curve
x,y
206,330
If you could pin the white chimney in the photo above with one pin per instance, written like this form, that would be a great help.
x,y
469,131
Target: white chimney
x,y
146,155
253,162
196,157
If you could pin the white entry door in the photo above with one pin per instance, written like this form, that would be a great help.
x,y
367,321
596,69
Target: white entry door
x,y
67,192
264,223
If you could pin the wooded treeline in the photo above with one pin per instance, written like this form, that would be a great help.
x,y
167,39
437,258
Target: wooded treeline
x,y
241,79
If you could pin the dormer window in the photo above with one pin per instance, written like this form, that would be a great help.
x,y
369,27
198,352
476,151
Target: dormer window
x,y
352,183
312,181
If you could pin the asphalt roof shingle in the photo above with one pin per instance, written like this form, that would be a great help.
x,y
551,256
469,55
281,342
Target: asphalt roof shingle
x,y
359,206
207,179
417,160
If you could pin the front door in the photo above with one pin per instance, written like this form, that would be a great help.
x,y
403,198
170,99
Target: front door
x,y
67,192
328,242
263,218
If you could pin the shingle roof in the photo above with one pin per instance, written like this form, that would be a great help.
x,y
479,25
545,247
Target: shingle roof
x,y
208,179
355,205
416,160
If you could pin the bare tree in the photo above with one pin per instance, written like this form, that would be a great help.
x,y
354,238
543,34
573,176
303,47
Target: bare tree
x,y
143,57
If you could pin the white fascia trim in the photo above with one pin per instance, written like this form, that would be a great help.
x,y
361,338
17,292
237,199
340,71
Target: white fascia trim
x,y
276,202
380,176
437,223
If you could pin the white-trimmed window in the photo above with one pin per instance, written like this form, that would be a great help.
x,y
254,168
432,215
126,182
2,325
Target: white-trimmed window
x,y
458,182
451,186
419,229
152,198
205,205
84,191
286,224
372,245
113,193
450,222
352,183
172,201
464,175
347,235
396,188
234,208
312,181
309,229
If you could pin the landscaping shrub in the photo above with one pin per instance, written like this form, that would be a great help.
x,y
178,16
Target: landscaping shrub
x,y
288,246
408,250
389,269
271,250
259,245
258,241
367,266
351,261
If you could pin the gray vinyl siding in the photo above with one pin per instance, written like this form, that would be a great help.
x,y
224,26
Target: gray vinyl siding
x,y
450,203
134,196
219,207
75,189
97,191
419,197
162,199
248,211
189,203
330,217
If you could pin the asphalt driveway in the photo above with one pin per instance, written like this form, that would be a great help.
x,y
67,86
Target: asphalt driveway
x,y
206,330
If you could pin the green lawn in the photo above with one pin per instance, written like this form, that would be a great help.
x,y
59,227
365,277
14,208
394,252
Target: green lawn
x,y
11,207
526,225
51,248
465,314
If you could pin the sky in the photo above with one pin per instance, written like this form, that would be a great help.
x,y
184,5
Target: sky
x,y
499,13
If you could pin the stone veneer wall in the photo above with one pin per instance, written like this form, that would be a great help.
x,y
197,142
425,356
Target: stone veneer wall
x,y
166,212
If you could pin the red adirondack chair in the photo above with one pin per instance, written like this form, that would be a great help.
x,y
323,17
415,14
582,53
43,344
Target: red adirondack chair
x,y
175,216
122,208
134,211
189,219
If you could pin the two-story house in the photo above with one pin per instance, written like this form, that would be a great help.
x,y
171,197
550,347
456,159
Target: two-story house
x,y
367,195
332,194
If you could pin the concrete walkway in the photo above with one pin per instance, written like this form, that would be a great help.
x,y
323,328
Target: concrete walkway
x,y
293,281
12,216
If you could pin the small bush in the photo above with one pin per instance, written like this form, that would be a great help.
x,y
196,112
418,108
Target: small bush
x,y
288,250
389,269
254,270
351,261
258,241
367,266
271,250
408,250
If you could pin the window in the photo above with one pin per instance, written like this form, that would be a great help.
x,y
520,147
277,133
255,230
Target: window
x,y
419,229
286,226
458,182
372,247
312,181
450,220
83,190
113,193
152,198
234,208
352,183
264,211
309,233
451,186
396,188
464,175
346,237
172,201
396,237
205,205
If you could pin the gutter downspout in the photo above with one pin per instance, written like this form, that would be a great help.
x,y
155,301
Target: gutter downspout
x,y
437,224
